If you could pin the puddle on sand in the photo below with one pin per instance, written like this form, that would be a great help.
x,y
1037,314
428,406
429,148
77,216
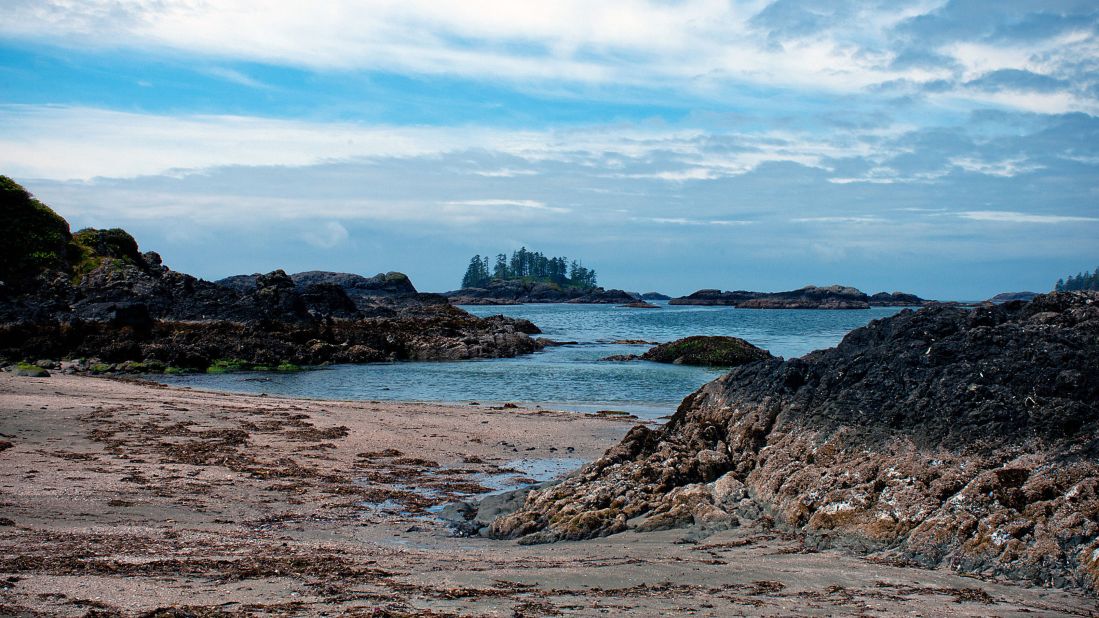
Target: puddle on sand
x,y
537,469
520,473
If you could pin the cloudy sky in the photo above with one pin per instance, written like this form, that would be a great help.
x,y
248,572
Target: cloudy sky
x,y
946,148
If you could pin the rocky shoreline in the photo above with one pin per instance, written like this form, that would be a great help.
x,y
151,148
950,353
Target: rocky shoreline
x,y
94,295
129,499
945,436
809,297
517,292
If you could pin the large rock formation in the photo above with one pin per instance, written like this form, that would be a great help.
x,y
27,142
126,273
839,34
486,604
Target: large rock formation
x,y
943,436
809,297
514,292
94,294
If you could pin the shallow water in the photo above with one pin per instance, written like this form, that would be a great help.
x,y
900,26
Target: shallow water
x,y
566,377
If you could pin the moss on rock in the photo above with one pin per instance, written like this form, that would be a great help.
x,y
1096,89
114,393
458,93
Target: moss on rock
x,y
42,239
29,370
229,365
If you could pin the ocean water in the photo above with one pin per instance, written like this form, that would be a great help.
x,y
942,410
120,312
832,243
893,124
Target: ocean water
x,y
565,377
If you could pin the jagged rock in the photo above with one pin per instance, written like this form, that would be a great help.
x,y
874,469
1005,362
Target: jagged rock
x,y
639,304
704,350
945,436
94,294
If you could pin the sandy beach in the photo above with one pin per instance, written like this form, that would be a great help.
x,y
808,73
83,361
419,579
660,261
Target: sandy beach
x,y
123,498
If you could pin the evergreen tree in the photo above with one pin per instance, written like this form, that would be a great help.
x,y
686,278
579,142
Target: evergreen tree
x,y
1080,281
476,274
528,265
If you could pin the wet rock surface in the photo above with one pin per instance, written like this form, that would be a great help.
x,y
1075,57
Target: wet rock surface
x,y
944,436
706,350
95,295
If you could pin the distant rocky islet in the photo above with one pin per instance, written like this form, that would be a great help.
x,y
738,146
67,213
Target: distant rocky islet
x,y
512,292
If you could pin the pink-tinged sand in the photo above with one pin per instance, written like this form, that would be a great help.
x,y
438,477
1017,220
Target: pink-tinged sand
x,y
127,497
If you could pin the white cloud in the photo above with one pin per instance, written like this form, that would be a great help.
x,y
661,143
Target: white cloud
x,y
706,46
505,203
1004,168
505,173
60,142
687,221
1007,216
327,236
236,77
844,219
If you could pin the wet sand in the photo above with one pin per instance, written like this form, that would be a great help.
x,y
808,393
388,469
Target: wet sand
x,y
119,498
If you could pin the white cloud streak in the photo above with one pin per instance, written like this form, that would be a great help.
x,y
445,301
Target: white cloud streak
x,y
57,142
701,45
1007,216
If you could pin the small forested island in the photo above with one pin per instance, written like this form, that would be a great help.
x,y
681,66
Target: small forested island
x,y
531,277
528,266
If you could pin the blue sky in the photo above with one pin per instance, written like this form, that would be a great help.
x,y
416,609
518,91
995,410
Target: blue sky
x,y
945,148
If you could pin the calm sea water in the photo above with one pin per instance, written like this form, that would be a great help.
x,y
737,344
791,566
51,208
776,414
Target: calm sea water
x,y
569,377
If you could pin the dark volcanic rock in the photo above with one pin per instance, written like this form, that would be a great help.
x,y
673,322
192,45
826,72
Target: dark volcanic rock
x,y
94,294
715,297
366,294
809,297
1005,297
702,350
513,292
896,299
621,358
639,304
945,436
655,296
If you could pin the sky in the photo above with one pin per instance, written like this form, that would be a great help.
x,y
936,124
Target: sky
x,y
945,148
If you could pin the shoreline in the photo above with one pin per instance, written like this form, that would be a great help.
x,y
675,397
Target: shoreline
x,y
580,408
123,497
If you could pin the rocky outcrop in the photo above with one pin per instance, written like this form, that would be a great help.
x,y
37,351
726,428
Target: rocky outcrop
x,y
942,436
1005,297
639,304
365,293
514,292
809,297
94,294
896,299
655,296
715,297
704,350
